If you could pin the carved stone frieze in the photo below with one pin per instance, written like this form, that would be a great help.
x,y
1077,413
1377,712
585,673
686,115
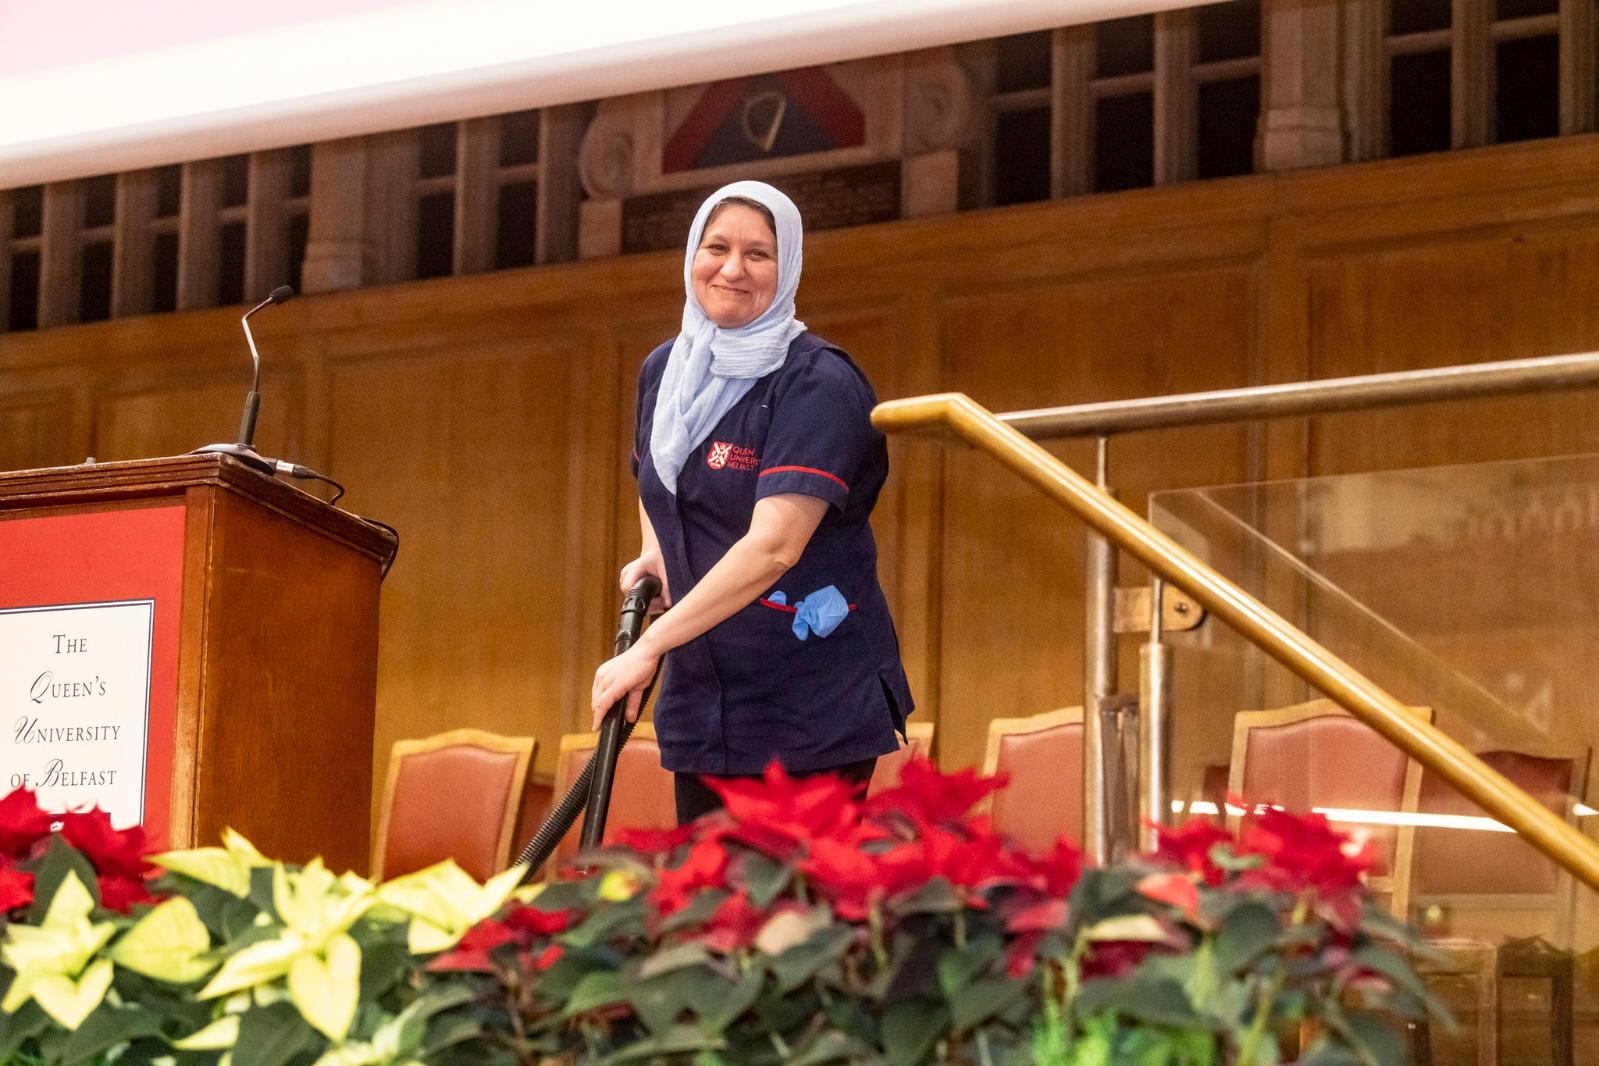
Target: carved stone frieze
x,y
939,101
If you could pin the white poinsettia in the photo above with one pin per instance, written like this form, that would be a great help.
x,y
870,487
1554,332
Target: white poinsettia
x,y
53,959
313,950
227,867
443,902
170,944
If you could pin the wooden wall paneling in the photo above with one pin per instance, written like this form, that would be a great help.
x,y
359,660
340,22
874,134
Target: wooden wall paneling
x,y
1012,582
175,411
464,450
34,430
1501,295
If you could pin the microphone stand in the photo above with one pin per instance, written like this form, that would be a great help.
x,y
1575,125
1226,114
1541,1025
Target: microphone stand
x,y
244,450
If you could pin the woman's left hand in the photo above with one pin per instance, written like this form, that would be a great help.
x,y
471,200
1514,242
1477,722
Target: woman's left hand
x,y
625,675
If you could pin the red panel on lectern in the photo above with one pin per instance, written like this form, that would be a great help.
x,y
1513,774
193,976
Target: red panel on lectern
x,y
106,557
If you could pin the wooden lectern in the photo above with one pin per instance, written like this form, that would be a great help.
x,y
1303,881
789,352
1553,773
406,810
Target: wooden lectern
x,y
263,675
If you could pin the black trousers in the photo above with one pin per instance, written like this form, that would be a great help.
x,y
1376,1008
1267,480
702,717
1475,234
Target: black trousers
x,y
695,798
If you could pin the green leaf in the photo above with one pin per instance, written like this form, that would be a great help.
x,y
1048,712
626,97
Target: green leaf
x,y
606,921
1392,966
716,1016
601,988
679,1040
957,969
60,859
935,897
20,1026
805,960
910,1029
982,1000
272,1036
1249,930
1376,1038
1161,1001
763,878
697,912
673,958
105,1029
830,1045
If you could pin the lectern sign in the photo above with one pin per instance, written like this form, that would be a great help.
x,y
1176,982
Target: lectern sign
x,y
75,694
89,615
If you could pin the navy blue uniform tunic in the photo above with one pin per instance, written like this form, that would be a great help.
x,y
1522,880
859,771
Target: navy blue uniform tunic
x,y
750,690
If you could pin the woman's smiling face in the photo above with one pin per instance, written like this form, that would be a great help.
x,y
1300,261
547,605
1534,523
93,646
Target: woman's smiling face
x,y
735,266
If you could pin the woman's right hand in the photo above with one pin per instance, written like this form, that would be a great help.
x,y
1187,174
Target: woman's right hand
x,y
648,564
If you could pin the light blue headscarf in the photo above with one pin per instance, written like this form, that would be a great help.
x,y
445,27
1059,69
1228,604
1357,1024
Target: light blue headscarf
x,y
710,369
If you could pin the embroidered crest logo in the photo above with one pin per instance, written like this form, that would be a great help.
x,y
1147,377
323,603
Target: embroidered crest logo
x,y
725,455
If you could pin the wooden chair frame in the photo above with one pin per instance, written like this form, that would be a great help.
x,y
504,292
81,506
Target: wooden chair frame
x,y
521,747
1000,728
1396,884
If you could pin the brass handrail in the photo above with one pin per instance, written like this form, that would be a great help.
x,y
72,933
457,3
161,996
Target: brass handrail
x,y
1325,396
1256,622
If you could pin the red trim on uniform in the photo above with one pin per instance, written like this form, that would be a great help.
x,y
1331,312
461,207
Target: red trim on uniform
x,y
807,470
784,607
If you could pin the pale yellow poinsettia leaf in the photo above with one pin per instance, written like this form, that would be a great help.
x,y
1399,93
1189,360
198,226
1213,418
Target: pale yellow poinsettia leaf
x,y
69,1001
1140,927
327,990
252,966
168,944
220,1035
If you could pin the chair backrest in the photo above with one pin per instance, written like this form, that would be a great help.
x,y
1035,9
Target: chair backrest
x,y
1494,869
643,795
1043,757
1317,755
918,745
455,795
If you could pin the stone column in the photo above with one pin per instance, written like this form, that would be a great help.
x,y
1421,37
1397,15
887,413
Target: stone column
x,y
1302,118
335,247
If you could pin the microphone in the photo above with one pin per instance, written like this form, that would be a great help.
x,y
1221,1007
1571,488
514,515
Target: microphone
x,y
244,450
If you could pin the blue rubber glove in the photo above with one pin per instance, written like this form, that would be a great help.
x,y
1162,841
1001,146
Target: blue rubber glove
x,y
820,612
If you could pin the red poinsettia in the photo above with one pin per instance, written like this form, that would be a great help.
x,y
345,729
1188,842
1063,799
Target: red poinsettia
x,y
471,952
117,855
16,888
930,797
853,877
532,921
776,812
1188,847
733,924
1061,868
22,823
657,841
1174,889
1306,855
704,867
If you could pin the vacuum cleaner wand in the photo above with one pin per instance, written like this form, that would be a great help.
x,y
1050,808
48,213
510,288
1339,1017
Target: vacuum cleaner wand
x,y
592,788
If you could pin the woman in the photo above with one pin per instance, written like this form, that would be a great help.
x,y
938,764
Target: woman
x,y
758,468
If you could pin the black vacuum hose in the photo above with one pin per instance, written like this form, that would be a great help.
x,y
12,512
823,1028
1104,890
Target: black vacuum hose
x,y
614,732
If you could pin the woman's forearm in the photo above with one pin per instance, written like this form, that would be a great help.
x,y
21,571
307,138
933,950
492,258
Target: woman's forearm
x,y
779,530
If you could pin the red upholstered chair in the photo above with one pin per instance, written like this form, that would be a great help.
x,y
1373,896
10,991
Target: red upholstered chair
x,y
1316,755
1043,756
642,793
918,745
1496,878
455,795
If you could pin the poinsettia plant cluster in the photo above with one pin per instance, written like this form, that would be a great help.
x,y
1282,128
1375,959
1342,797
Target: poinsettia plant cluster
x,y
802,926
116,857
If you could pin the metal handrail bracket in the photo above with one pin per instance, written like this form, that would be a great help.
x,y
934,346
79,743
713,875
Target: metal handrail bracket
x,y
1433,749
